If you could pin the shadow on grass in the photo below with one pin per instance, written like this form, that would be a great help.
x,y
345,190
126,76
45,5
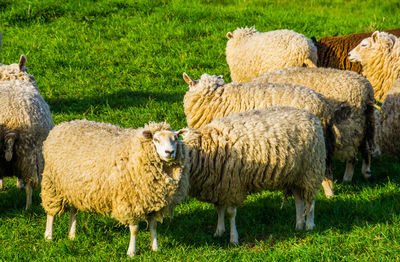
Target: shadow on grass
x,y
122,99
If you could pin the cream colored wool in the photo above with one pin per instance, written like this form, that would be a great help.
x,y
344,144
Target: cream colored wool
x,y
13,72
280,148
25,115
102,168
250,53
210,98
379,56
351,97
387,127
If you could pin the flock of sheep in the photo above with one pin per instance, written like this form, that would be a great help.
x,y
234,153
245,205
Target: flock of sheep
x,y
277,126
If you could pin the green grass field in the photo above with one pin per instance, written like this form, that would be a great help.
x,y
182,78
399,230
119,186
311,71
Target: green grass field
x,y
121,62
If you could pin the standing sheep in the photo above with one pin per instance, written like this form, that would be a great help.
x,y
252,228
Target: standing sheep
x,y
131,174
379,56
210,98
280,148
250,53
387,127
352,100
333,50
25,120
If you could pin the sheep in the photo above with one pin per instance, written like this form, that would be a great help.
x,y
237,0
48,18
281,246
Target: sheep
x,y
210,98
352,100
131,174
333,50
25,121
379,56
387,127
250,53
279,148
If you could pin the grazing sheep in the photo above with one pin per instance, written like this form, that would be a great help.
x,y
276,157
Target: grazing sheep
x,y
280,148
352,100
333,50
25,120
387,127
131,174
210,98
250,53
379,56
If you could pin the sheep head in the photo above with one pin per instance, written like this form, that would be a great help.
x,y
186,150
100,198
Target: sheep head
x,y
240,33
166,143
378,44
206,81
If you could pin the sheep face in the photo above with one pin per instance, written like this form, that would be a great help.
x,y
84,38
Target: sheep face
x,y
379,42
166,143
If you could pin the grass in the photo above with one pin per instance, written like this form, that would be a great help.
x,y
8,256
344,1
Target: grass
x,y
122,62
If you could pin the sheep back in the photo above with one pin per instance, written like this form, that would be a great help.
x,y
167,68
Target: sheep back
x,y
250,53
351,97
106,169
280,148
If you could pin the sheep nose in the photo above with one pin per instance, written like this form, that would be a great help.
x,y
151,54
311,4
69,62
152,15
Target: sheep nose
x,y
170,153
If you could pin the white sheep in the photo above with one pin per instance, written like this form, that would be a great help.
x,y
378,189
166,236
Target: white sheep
x,y
387,127
379,56
25,120
210,97
250,53
131,174
280,148
352,100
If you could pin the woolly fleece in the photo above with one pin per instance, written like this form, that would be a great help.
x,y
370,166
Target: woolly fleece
x,y
23,111
351,97
250,53
388,127
106,169
280,148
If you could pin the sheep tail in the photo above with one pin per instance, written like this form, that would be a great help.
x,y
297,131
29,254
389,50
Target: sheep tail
x,y
309,63
9,144
379,110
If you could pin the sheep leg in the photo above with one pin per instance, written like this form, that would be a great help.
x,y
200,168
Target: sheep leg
x,y
72,222
132,242
366,164
1,184
299,211
234,236
28,190
327,184
221,221
348,174
20,183
310,218
153,234
48,234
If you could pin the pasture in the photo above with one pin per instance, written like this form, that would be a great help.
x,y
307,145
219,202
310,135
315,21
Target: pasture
x,y
122,62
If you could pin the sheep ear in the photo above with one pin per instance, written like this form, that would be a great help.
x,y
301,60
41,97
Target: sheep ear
x,y
188,80
147,134
183,133
229,35
22,62
375,36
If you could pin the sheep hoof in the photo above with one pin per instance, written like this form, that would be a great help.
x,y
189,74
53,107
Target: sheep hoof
x,y
299,226
219,232
310,226
234,241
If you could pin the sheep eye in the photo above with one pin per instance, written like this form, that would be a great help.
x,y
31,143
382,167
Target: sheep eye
x,y
156,140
